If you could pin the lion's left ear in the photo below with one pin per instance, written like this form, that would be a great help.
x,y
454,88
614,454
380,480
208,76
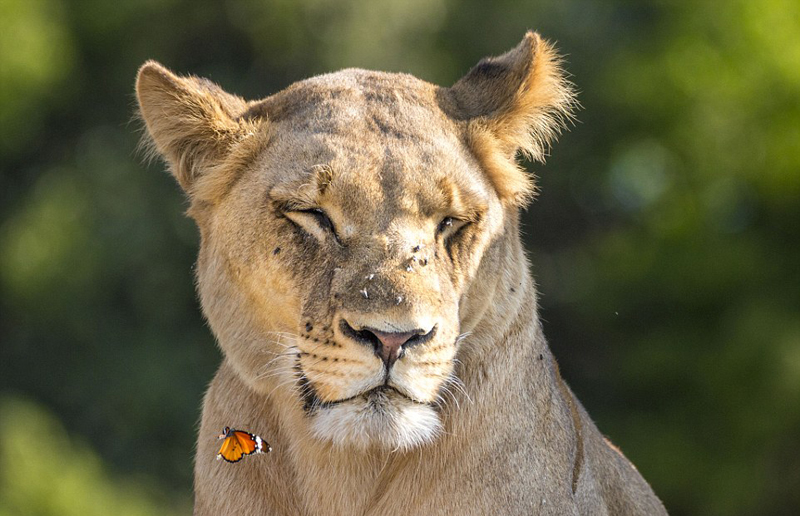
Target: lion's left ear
x,y
517,102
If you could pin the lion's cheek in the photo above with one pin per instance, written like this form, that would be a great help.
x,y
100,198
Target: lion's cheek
x,y
272,296
421,381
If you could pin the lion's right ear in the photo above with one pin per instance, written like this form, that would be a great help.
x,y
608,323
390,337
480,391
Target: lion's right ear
x,y
195,126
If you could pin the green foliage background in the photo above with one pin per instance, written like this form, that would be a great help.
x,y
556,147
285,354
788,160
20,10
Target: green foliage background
x,y
665,239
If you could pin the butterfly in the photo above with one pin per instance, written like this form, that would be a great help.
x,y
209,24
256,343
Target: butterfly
x,y
238,443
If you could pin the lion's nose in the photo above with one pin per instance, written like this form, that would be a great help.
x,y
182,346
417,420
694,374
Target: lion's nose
x,y
389,346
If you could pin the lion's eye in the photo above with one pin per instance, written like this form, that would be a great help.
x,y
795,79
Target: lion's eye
x,y
444,225
449,227
321,218
314,221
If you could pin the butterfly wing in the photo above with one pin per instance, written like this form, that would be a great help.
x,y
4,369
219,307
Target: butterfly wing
x,y
247,442
238,443
230,450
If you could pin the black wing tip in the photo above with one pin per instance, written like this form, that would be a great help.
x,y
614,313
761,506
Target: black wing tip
x,y
226,459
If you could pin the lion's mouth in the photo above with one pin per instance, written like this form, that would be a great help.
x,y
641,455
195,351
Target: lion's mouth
x,y
376,397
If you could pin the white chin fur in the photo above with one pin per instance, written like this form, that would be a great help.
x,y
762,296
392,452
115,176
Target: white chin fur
x,y
389,422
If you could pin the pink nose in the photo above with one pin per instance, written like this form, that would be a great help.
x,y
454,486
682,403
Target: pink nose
x,y
389,346
392,345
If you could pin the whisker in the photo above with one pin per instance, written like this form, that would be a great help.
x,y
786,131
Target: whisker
x,y
291,381
463,336
278,356
275,372
276,342
445,390
282,333
265,371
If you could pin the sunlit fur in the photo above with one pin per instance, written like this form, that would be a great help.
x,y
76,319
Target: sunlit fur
x,y
358,201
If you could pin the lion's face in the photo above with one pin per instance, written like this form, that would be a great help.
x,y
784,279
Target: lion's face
x,y
352,227
355,235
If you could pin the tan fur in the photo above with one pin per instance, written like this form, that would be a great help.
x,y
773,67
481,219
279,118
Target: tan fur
x,y
422,191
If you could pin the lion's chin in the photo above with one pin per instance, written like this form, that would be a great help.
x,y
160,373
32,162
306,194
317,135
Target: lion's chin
x,y
377,419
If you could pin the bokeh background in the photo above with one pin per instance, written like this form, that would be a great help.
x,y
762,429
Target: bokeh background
x,y
664,240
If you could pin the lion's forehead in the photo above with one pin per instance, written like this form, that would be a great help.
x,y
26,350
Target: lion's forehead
x,y
356,101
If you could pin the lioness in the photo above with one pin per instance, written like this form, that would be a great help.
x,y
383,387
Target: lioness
x,y
361,267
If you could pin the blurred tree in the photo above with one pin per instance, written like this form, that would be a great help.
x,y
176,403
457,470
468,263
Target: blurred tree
x,y
31,79
44,472
664,238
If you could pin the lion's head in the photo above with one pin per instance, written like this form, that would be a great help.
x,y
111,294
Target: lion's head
x,y
352,226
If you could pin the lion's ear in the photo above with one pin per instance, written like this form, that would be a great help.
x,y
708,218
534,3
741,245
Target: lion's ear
x,y
517,102
194,125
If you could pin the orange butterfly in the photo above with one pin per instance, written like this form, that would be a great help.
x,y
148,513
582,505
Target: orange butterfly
x,y
238,443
